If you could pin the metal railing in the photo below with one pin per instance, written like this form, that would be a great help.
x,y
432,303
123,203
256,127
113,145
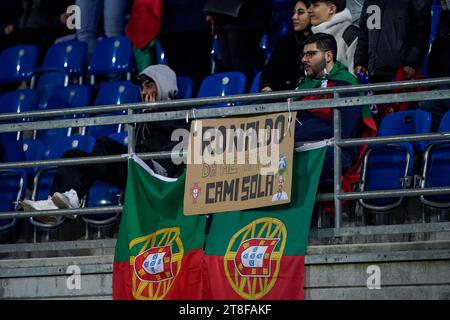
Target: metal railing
x,y
184,109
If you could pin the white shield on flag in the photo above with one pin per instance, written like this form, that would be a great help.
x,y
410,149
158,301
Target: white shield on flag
x,y
154,264
253,257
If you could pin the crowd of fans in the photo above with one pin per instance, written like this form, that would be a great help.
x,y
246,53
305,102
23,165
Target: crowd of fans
x,y
328,46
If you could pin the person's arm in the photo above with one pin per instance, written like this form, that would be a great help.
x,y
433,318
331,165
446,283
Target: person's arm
x,y
361,56
421,20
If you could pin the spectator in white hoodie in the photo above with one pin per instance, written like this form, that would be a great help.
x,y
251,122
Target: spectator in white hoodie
x,y
332,17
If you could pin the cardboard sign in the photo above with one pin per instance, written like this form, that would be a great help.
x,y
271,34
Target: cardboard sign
x,y
239,163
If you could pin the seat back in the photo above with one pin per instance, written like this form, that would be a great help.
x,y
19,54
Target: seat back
x,y
111,56
45,84
12,190
69,97
385,168
111,93
407,122
18,63
255,83
437,174
185,86
222,84
160,55
121,137
56,148
25,150
436,171
17,102
67,56
444,126
62,98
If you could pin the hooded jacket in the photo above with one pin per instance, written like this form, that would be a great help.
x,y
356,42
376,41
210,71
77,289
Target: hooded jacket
x,y
336,27
165,80
156,136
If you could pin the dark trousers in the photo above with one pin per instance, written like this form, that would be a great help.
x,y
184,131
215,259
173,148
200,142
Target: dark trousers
x,y
189,54
82,177
239,49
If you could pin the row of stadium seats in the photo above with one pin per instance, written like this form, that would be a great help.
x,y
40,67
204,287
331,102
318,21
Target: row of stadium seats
x,y
51,143
14,182
420,164
111,56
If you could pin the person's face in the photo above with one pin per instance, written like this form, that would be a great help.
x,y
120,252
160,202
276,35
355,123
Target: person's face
x,y
300,18
314,60
280,185
320,12
148,91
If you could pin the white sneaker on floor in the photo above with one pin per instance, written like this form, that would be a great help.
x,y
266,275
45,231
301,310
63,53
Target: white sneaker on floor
x,y
66,200
30,205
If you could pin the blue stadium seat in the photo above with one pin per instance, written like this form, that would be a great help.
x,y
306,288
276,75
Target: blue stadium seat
x,y
18,63
103,194
17,102
70,97
112,93
111,56
66,56
57,147
12,190
24,150
185,86
63,98
160,55
407,122
45,84
121,137
44,178
388,166
255,83
222,84
436,169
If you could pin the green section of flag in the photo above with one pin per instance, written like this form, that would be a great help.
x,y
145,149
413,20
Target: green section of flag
x,y
296,216
152,204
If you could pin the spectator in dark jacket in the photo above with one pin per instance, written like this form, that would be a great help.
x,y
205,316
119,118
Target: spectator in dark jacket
x,y
284,69
240,25
439,59
10,12
42,22
439,66
186,38
401,41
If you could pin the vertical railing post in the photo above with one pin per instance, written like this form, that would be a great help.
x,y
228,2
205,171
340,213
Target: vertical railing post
x,y
337,123
131,133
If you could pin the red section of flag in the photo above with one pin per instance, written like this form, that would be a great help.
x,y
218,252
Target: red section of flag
x,y
289,282
187,285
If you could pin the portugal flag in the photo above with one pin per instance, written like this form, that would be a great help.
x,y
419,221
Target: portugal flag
x,y
159,251
259,254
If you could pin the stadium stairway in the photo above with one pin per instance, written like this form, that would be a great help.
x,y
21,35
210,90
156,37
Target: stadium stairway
x,y
408,270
